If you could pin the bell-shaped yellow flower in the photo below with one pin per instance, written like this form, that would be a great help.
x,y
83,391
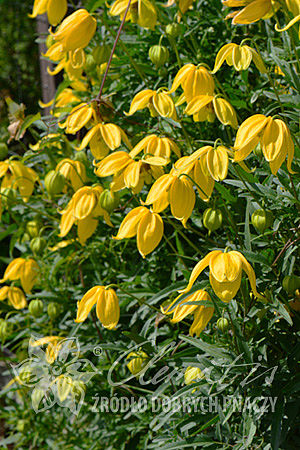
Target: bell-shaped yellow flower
x,y
221,107
192,375
18,176
253,10
240,57
104,137
155,146
53,347
225,273
78,118
76,30
274,137
15,296
25,270
107,309
141,12
55,9
73,171
138,361
194,80
159,103
146,225
202,313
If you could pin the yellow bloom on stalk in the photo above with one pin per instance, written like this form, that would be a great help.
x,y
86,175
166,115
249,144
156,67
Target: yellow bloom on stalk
x,y
76,30
146,225
83,209
202,106
18,176
25,270
225,273
73,171
156,146
137,362
253,10
202,313
192,375
194,80
159,103
272,134
239,56
104,137
15,296
55,9
128,172
52,349
141,12
74,71
107,306
78,118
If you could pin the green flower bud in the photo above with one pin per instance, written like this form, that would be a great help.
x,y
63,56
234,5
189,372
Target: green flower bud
x,y
38,245
109,200
173,30
158,55
5,329
33,228
25,238
36,308
258,151
21,425
90,62
3,151
262,219
81,156
9,197
212,219
291,283
222,324
50,40
53,310
54,182
101,53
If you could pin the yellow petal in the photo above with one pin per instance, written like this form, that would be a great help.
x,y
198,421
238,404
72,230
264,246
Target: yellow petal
x,y
111,135
149,233
112,164
85,228
247,136
182,198
13,270
159,189
217,163
222,55
29,274
241,57
198,103
132,174
250,272
85,305
253,12
56,10
85,201
128,227
108,309
225,290
202,316
140,101
17,298
181,75
258,61
272,140
4,293
225,266
39,7
225,112
199,267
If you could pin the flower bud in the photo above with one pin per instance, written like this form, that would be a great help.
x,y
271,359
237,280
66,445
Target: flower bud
x,y
109,200
53,310
38,245
5,329
262,219
138,360
90,63
21,425
54,182
49,41
212,219
158,55
3,151
291,283
25,238
25,374
9,197
258,151
101,53
222,324
33,228
81,156
36,308
173,30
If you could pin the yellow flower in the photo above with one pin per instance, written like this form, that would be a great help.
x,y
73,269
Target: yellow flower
x,y
137,362
253,10
294,7
15,296
18,176
238,56
198,107
25,270
192,375
55,9
104,137
274,137
146,225
141,12
73,171
83,209
78,118
202,313
76,30
107,309
156,146
51,140
194,80
225,274
175,191
159,103
128,172
53,346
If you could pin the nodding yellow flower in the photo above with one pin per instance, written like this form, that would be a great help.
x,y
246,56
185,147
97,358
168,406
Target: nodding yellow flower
x,y
104,137
76,30
141,12
225,273
253,10
272,134
159,103
178,192
15,296
156,146
83,209
221,108
25,270
66,98
138,361
183,5
107,306
53,347
66,64
194,80
192,375
18,176
78,118
73,171
202,313
146,225
239,56
55,9
128,172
